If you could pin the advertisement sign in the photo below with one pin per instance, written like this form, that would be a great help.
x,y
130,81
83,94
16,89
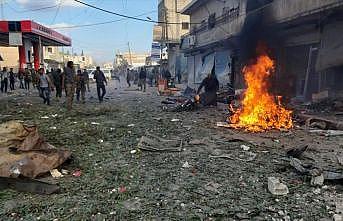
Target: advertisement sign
x,y
15,39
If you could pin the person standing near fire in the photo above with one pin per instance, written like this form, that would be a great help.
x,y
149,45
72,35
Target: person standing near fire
x,y
68,82
100,80
211,86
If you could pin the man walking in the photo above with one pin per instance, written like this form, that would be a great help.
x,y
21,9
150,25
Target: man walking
x,y
100,78
80,86
57,79
12,79
128,77
142,79
69,83
45,85
86,77
27,78
4,80
21,79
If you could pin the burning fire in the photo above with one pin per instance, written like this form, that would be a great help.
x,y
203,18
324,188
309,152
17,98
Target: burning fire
x,y
260,110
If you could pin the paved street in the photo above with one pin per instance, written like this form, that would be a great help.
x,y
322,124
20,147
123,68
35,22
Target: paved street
x,y
120,182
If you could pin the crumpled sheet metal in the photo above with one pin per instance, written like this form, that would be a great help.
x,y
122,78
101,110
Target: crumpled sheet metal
x,y
24,152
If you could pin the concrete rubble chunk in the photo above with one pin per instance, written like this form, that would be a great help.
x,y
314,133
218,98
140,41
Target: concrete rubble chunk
x,y
317,180
337,217
339,206
276,187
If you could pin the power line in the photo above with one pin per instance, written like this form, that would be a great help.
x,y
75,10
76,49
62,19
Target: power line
x,y
128,16
100,23
32,10
57,11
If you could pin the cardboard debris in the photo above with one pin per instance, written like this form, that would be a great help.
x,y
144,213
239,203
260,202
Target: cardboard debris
x,y
154,143
23,151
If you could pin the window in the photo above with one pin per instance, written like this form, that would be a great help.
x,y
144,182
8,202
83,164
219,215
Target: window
x,y
185,25
83,59
14,26
50,50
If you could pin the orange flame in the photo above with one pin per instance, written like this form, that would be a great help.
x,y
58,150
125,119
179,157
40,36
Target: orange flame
x,y
260,110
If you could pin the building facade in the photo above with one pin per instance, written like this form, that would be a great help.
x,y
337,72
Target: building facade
x,y
10,57
298,34
168,33
131,60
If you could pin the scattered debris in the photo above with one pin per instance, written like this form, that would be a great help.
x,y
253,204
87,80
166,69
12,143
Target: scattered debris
x,y
276,187
197,142
132,204
223,124
154,143
328,133
28,185
186,165
317,180
337,217
297,152
329,124
122,189
227,156
212,187
340,159
245,147
77,173
339,206
65,172
23,151
55,173
133,151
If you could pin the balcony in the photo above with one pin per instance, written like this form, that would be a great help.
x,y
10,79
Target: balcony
x,y
225,27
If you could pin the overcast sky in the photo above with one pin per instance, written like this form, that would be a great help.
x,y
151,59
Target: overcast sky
x,y
102,41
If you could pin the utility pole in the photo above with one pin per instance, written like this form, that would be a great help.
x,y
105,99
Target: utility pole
x,y
128,44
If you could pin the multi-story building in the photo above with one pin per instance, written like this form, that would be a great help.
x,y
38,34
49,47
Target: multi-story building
x,y
299,34
132,60
10,57
168,33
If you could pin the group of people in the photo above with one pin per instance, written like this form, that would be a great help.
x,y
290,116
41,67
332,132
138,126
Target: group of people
x,y
9,78
69,80
72,82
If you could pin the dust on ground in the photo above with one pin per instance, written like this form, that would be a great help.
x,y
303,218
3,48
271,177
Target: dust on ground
x,y
118,183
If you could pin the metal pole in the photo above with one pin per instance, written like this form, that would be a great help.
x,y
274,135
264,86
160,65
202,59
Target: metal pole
x,y
128,44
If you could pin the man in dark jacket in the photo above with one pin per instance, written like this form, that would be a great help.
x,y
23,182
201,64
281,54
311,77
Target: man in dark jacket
x,y
12,79
68,82
211,85
57,80
142,79
100,79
